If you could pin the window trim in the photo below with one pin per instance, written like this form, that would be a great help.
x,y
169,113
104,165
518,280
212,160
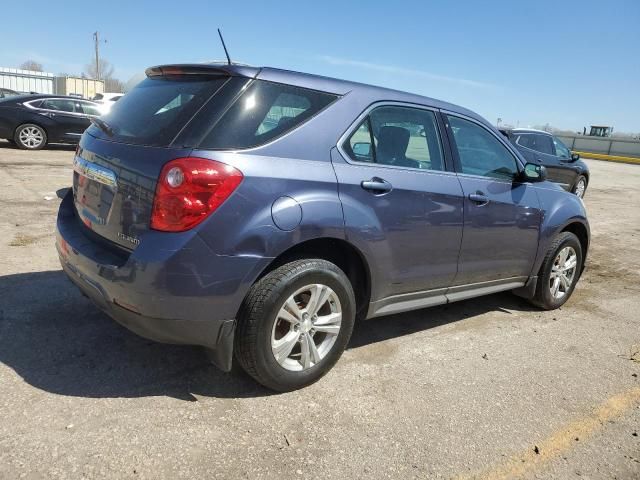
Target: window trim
x,y
454,148
446,154
60,112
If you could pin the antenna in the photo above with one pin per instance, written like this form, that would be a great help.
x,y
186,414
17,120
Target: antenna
x,y
225,47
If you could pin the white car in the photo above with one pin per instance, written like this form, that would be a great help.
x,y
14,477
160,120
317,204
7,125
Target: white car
x,y
106,100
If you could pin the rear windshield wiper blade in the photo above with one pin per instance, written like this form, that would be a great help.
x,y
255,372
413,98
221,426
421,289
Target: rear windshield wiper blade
x,y
104,126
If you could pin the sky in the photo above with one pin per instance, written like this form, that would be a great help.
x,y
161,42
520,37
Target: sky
x,y
568,64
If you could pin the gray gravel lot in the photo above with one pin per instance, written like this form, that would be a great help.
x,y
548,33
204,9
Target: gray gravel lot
x,y
488,388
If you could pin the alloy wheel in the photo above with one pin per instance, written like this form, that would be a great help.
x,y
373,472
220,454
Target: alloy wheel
x,y
306,327
31,137
563,272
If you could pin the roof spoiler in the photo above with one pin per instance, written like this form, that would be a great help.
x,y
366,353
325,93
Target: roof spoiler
x,y
216,69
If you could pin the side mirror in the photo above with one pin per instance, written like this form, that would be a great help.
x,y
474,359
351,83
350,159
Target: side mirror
x,y
362,149
534,172
575,157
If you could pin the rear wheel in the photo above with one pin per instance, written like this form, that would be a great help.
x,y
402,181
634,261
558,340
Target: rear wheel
x,y
559,273
295,323
30,137
580,187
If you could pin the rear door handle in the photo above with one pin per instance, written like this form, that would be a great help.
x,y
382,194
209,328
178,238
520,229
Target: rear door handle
x,y
479,198
376,185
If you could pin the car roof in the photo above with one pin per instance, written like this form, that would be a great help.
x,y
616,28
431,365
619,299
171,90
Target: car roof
x,y
316,82
529,130
40,96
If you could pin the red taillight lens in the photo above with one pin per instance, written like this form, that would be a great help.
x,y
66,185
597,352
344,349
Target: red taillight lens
x,y
190,189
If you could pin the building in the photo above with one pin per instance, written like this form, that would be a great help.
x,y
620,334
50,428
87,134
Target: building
x,y
42,82
78,87
26,80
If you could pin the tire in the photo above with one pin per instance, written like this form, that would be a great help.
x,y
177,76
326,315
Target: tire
x,y
544,296
580,187
265,325
30,137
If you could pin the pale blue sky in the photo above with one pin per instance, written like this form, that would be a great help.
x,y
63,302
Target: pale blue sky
x,y
566,63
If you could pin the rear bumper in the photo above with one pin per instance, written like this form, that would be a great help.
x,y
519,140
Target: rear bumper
x,y
171,289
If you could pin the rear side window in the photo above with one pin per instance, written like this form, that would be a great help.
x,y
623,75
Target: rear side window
x,y
262,113
397,136
534,141
158,108
59,104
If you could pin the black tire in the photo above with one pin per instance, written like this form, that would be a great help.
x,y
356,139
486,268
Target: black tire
x,y
575,190
259,311
543,297
26,145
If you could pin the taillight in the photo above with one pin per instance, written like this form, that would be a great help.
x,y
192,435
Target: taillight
x,y
189,189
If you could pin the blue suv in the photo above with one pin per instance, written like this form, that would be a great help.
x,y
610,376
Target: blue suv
x,y
259,212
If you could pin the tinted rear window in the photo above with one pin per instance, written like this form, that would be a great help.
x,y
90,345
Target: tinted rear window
x,y
262,113
158,108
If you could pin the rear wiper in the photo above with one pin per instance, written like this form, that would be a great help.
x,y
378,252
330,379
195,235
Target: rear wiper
x,y
104,126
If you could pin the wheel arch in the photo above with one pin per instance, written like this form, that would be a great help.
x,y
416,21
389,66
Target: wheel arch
x,y
339,252
580,231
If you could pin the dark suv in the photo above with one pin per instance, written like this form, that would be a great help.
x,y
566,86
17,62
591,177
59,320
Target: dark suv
x,y
259,212
563,166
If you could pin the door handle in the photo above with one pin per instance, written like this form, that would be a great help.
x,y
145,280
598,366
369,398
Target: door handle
x,y
479,198
376,185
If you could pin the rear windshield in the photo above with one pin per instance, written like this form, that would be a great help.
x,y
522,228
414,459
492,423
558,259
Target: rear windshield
x,y
263,112
156,110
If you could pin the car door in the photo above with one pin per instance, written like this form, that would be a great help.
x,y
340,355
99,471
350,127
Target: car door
x,y
402,205
538,148
567,169
501,214
70,120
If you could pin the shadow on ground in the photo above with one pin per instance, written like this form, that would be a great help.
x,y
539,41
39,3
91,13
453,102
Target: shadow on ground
x,y
57,341
51,146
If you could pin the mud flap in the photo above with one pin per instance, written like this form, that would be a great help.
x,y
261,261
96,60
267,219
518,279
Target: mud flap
x,y
222,355
528,290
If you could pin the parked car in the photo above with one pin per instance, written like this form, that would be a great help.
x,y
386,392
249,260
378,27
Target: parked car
x,y
563,166
33,121
106,100
7,92
258,212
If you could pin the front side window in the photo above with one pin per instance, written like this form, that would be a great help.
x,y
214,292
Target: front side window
x,y
480,152
561,149
398,136
90,109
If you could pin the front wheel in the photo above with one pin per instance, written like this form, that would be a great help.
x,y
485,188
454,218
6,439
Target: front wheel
x,y
295,323
580,187
30,137
559,272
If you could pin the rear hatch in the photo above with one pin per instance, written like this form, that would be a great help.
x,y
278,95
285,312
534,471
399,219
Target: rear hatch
x,y
119,159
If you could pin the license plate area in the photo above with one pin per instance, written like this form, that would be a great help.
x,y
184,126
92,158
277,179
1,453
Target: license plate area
x,y
94,192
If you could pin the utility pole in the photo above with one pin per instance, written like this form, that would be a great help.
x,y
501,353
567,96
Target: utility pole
x,y
96,39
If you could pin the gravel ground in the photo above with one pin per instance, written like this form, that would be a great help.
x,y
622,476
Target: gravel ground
x,y
486,388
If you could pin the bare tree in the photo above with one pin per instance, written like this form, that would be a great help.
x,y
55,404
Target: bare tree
x,y
113,85
32,65
105,70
